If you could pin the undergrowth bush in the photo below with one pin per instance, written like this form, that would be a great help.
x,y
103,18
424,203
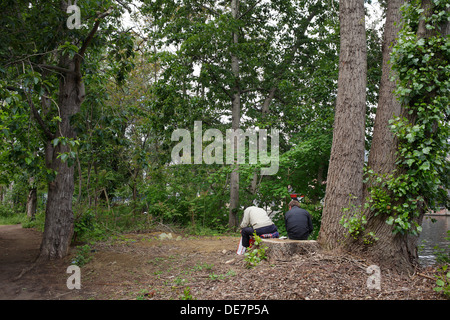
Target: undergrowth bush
x,y
256,253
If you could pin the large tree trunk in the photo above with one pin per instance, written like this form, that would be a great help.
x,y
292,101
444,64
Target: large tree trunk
x,y
59,218
345,173
382,153
396,250
58,229
235,120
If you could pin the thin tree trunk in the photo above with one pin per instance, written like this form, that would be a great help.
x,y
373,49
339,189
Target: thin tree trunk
x,y
80,179
236,116
345,173
32,203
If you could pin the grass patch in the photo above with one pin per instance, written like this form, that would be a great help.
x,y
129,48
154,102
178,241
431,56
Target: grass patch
x,y
14,219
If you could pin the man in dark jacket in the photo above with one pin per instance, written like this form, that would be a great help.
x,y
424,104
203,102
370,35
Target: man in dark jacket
x,y
298,222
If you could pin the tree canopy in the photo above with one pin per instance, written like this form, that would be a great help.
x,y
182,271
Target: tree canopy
x,y
89,101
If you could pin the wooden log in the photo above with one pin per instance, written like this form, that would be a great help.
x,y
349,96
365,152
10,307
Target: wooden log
x,y
285,249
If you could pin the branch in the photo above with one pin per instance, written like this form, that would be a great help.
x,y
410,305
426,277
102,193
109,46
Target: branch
x,y
300,39
217,81
52,67
207,8
249,9
41,122
254,89
11,88
29,56
287,61
213,76
93,31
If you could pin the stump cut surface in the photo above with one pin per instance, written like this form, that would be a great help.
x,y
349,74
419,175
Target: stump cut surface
x,y
285,249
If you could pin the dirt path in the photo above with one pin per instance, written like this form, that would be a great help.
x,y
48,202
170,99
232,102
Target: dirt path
x,y
142,266
18,248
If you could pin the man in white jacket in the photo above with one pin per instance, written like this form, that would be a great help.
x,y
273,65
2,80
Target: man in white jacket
x,y
255,219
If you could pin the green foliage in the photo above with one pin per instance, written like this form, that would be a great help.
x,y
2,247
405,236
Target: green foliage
x,y
9,217
443,280
82,255
187,294
256,253
38,222
87,228
443,271
138,92
202,266
354,221
5,211
422,64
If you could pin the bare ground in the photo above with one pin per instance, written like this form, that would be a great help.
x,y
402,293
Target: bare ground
x,y
141,266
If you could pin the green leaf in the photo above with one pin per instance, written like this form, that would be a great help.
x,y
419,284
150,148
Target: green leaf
x,y
64,156
390,221
425,166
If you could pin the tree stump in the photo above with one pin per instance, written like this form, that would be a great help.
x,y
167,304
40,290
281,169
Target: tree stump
x,y
284,250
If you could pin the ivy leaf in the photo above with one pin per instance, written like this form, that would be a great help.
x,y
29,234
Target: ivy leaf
x,y
390,221
64,157
425,166
410,137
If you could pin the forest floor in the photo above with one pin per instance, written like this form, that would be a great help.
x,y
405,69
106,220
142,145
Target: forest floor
x,y
142,266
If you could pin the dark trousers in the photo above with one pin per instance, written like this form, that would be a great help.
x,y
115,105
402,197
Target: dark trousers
x,y
248,231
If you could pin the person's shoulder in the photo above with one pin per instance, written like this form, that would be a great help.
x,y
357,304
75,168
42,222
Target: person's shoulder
x,y
300,210
304,210
253,209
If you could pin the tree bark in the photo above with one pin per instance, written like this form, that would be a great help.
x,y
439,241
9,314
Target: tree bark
x,y
32,203
397,251
235,121
59,217
284,250
58,229
345,173
382,152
